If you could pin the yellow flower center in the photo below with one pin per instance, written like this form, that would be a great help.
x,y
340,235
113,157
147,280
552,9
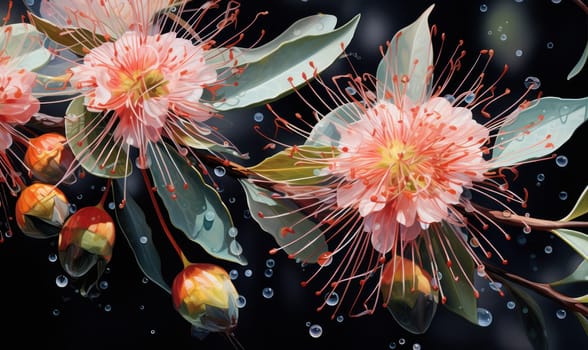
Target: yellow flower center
x,y
144,85
404,166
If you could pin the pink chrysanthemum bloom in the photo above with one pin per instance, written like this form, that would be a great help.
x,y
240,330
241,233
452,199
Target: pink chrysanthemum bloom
x,y
393,171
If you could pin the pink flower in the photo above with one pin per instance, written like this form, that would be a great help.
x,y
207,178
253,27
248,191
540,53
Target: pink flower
x,y
148,82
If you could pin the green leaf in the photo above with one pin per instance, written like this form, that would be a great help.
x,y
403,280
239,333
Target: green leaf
x,y
134,227
580,274
78,40
583,321
312,25
410,44
525,138
25,45
196,209
583,299
460,296
577,240
326,133
531,316
92,145
268,78
580,208
290,165
191,135
306,241
580,64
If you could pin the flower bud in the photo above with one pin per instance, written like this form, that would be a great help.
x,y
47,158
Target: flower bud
x,y
41,210
48,158
205,296
86,237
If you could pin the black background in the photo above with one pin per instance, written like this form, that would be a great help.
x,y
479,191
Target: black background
x,y
130,312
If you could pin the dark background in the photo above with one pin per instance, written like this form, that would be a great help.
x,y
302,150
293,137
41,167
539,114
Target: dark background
x,y
133,312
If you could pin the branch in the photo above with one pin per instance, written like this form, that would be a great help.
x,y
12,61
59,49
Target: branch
x,y
541,288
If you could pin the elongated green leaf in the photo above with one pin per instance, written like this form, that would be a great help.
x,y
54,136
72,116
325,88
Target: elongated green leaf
x,y
583,299
410,54
326,133
194,207
531,316
25,45
298,166
92,145
529,137
312,25
580,208
580,274
583,321
460,296
577,240
305,240
580,64
78,40
268,78
134,227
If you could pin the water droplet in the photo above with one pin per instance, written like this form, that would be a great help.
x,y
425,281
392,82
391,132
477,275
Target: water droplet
x,y
248,273
503,37
561,161
52,257
141,307
484,317
416,346
527,229
449,98
296,32
483,8
209,215
561,314
521,240
470,98
332,299
392,345
556,1
72,208
241,301
401,341
511,305
152,331
246,214
315,331
267,292
232,200
268,273
258,117
111,206
143,239
103,285
340,318
55,312
270,263
220,171
233,274
518,52
233,232
548,249
145,280
563,195
540,177
235,248
532,83
61,281
107,307
549,45
350,90
495,286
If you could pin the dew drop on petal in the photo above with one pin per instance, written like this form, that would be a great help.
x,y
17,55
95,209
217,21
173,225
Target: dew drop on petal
x,y
235,248
561,161
532,83
503,37
484,317
470,98
315,331
483,8
495,286
518,52
267,292
209,215
561,314
233,232
143,239
220,171
61,281
258,117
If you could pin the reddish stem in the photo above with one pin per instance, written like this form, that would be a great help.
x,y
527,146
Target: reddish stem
x,y
104,194
161,218
582,6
